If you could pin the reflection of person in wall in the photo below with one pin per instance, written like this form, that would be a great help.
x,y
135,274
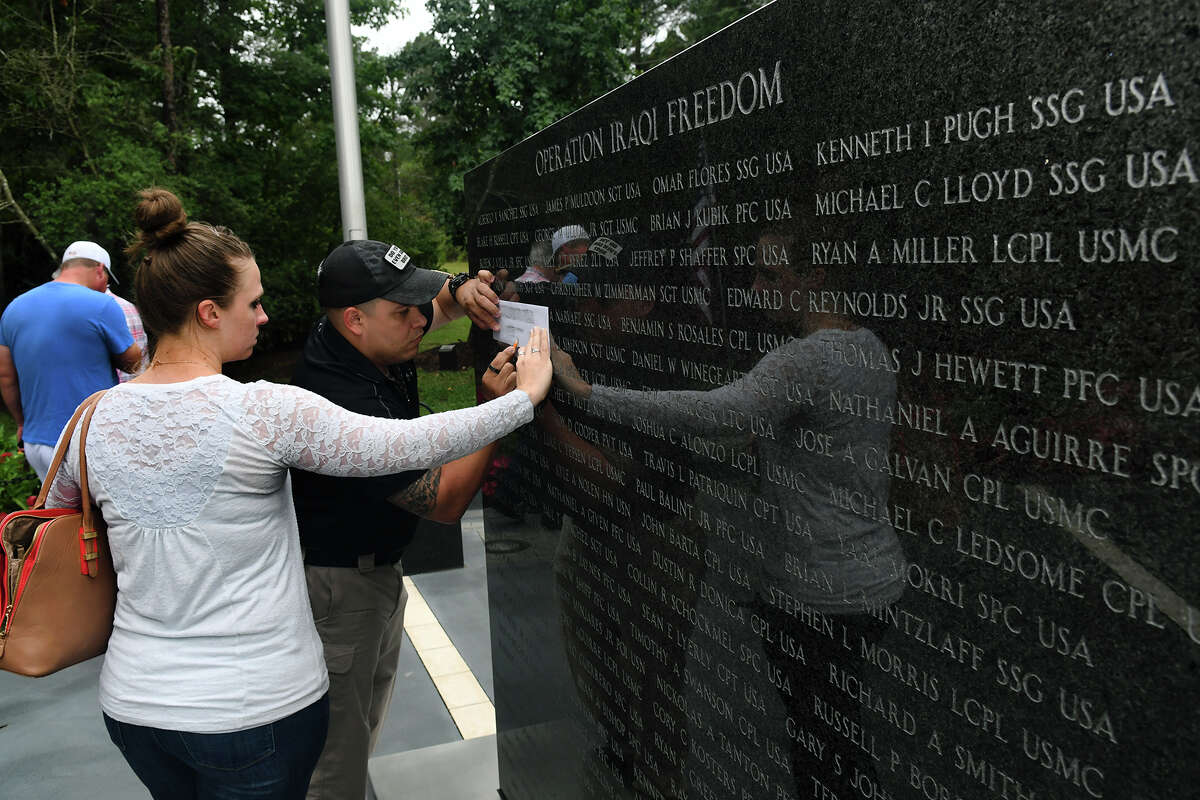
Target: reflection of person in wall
x,y
832,559
569,246
625,688
550,261
540,271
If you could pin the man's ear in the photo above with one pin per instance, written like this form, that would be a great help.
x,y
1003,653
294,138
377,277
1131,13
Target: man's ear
x,y
352,319
208,314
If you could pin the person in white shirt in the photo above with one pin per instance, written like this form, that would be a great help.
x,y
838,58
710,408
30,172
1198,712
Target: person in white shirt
x,y
214,684
539,271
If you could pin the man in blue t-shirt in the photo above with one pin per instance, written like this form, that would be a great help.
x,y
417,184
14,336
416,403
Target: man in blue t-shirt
x,y
59,344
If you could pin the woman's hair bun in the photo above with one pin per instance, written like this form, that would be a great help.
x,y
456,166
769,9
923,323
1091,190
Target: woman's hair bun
x,y
159,216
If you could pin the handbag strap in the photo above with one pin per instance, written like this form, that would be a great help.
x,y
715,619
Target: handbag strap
x,y
89,546
64,444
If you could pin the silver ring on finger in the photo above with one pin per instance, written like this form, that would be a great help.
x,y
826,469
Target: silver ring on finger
x,y
535,350
520,351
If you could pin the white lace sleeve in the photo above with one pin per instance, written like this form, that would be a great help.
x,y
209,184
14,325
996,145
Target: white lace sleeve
x,y
302,429
64,492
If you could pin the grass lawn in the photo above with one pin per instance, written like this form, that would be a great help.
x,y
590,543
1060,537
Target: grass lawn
x,y
455,331
450,333
446,391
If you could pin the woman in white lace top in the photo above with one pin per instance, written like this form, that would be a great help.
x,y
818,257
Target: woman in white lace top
x,y
214,681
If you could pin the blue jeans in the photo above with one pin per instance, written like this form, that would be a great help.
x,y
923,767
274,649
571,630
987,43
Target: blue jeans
x,y
271,761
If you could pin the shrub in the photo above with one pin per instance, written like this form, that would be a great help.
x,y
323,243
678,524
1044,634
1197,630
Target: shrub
x,y
18,482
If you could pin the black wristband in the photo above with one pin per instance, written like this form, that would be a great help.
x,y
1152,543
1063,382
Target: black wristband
x,y
456,283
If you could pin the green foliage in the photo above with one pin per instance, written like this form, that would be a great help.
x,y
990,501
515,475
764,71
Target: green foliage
x,y
694,21
395,203
491,74
17,479
251,142
81,116
73,205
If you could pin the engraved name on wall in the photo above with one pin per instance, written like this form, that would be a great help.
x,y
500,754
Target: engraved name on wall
x,y
874,463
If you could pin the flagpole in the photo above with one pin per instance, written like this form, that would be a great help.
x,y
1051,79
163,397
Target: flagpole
x,y
345,119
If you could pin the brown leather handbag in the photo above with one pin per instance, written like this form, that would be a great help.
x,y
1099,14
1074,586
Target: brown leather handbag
x,y
58,588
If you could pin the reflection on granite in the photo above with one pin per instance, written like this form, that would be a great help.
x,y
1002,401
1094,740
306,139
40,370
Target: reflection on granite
x,y
871,467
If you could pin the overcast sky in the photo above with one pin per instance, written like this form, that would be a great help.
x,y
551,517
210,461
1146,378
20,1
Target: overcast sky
x,y
399,32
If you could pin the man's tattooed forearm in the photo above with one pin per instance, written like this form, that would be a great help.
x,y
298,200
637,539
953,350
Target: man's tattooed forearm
x,y
421,496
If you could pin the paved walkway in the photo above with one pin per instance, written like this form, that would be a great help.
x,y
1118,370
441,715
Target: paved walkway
x,y
53,743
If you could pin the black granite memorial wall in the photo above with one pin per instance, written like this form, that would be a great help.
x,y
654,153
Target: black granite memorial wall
x,y
872,468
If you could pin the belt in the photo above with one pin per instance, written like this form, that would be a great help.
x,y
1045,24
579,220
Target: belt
x,y
363,563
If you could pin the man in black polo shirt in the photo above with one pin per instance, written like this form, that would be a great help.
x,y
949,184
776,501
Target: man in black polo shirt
x,y
354,530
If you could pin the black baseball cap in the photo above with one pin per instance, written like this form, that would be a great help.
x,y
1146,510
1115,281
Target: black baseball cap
x,y
363,269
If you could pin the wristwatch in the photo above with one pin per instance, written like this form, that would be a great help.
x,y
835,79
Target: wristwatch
x,y
456,283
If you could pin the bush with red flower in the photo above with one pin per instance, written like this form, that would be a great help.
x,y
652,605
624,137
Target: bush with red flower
x,y
19,484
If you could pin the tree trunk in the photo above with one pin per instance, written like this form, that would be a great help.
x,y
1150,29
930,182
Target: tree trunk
x,y
168,68
7,200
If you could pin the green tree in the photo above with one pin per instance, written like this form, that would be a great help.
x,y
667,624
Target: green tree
x,y
227,102
491,74
694,20
87,121
75,124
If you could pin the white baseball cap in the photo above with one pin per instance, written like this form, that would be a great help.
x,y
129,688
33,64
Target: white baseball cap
x,y
567,233
91,251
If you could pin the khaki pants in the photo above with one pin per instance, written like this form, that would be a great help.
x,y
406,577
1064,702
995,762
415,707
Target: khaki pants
x,y
360,618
